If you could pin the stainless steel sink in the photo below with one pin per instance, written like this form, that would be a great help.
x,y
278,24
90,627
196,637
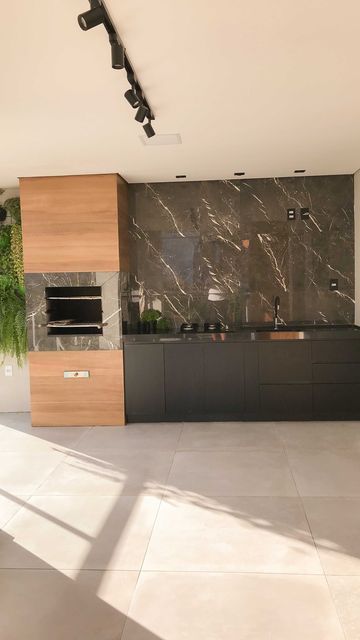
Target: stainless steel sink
x,y
280,335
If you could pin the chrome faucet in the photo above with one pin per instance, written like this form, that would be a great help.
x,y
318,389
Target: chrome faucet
x,y
276,312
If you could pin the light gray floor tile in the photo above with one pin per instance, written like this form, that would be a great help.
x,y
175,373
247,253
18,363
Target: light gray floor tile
x,y
232,534
335,525
159,436
208,606
79,532
44,605
238,473
229,436
326,472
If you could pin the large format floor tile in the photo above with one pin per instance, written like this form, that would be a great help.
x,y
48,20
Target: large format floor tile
x,y
22,473
127,473
39,440
346,593
326,472
237,473
224,436
210,606
44,605
73,532
320,435
232,534
159,436
335,525
9,505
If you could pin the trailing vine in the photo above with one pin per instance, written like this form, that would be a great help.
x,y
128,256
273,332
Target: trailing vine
x,y
13,341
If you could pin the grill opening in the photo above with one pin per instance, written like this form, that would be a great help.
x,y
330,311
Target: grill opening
x,y
74,311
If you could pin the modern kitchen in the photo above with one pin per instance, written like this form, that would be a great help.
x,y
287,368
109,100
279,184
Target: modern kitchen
x,y
180,320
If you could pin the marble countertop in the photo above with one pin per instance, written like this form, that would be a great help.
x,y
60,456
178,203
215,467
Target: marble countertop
x,y
252,334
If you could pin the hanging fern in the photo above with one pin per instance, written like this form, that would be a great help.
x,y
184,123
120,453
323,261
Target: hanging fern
x,y
13,339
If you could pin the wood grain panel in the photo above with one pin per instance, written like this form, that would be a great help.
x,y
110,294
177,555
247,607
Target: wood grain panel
x,y
56,401
71,223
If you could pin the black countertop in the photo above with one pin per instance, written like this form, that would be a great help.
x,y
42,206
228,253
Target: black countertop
x,y
252,334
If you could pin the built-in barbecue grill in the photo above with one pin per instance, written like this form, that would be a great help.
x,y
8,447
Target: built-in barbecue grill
x,y
74,310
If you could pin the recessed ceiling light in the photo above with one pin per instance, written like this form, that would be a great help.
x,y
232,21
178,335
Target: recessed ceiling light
x,y
239,173
181,176
161,139
299,170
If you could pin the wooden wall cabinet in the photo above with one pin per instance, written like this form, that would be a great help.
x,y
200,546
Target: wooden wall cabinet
x,y
75,223
58,401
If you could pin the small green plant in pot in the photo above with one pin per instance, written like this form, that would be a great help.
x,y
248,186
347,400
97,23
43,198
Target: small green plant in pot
x,y
157,322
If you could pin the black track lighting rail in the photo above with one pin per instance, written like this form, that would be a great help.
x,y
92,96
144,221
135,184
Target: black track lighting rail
x,y
96,15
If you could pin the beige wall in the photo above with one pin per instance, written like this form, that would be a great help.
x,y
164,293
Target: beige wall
x,y
357,245
14,390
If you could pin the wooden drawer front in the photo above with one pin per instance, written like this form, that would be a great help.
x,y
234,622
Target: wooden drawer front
x,y
286,362
336,351
336,400
336,372
97,400
285,401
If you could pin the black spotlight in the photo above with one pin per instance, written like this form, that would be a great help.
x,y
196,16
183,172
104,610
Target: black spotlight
x,y
132,98
142,113
91,18
117,55
148,129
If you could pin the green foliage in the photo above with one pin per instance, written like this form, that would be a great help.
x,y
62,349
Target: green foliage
x,y
150,315
13,340
163,325
12,206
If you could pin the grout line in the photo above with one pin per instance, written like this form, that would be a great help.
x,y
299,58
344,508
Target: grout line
x,y
161,498
314,543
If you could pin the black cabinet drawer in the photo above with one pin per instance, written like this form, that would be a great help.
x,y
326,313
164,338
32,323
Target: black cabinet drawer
x,y
285,362
224,380
336,351
336,372
336,401
184,381
144,382
286,401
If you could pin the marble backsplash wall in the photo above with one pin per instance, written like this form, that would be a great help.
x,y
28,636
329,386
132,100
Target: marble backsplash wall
x,y
222,250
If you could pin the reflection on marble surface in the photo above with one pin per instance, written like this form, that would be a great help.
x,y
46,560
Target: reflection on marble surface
x,y
112,285
223,250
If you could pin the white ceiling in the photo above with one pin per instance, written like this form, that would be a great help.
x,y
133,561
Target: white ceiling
x,y
263,86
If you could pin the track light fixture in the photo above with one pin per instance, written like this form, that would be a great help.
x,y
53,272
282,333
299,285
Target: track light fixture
x,y
98,14
148,129
142,112
117,54
132,98
91,18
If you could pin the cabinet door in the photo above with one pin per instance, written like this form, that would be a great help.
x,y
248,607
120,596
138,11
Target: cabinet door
x,y
144,382
285,362
224,381
286,401
184,381
336,401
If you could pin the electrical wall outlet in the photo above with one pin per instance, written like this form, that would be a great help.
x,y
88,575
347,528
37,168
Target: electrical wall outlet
x,y
304,213
8,370
334,284
291,214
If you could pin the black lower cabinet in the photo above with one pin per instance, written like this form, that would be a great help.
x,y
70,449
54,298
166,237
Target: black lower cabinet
x,y
242,381
224,381
286,401
184,381
336,401
144,382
